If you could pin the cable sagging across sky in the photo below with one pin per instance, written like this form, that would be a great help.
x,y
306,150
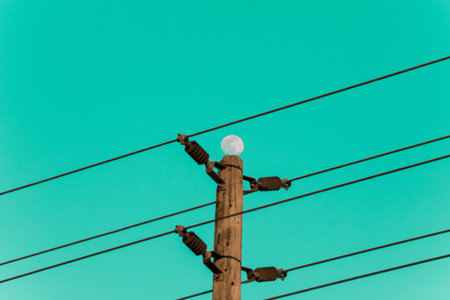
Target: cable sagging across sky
x,y
226,125
106,233
343,256
371,157
211,203
322,190
360,276
229,216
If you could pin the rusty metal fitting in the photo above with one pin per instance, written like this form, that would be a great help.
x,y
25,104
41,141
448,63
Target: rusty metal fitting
x,y
182,139
272,183
285,183
180,230
266,274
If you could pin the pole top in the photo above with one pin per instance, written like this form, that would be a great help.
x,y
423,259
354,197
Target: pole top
x,y
232,161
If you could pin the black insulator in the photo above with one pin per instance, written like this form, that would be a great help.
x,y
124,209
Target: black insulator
x,y
266,274
194,243
269,183
197,152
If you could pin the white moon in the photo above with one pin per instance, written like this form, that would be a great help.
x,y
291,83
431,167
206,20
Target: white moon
x,y
232,145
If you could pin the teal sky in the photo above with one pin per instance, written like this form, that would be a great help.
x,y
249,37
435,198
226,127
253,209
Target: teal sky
x,y
83,81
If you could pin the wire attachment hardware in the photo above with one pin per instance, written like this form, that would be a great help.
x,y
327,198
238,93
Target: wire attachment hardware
x,y
264,274
265,184
193,242
201,157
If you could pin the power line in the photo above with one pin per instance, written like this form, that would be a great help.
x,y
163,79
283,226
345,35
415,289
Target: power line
x,y
196,295
342,256
229,216
322,190
210,203
368,250
104,234
371,157
88,256
227,124
322,96
361,276
86,167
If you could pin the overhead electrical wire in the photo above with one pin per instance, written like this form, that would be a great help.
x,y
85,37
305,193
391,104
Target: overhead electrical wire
x,y
195,295
228,124
88,256
210,203
106,233
322,96
343,256
86,167
360,276
228,216
368,250
370,158
320,191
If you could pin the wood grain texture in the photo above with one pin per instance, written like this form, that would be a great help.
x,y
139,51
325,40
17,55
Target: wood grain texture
x,y
228,232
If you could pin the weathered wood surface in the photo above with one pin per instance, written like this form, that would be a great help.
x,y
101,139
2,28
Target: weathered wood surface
x,y
228,232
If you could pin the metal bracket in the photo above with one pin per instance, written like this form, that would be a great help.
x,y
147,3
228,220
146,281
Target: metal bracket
x,y
248,271
213,174
253,185
209,263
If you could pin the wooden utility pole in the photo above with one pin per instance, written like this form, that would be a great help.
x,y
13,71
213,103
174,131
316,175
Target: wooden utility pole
x,y
228,232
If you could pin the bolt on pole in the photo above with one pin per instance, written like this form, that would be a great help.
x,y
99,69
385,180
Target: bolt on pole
x,y
228,232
